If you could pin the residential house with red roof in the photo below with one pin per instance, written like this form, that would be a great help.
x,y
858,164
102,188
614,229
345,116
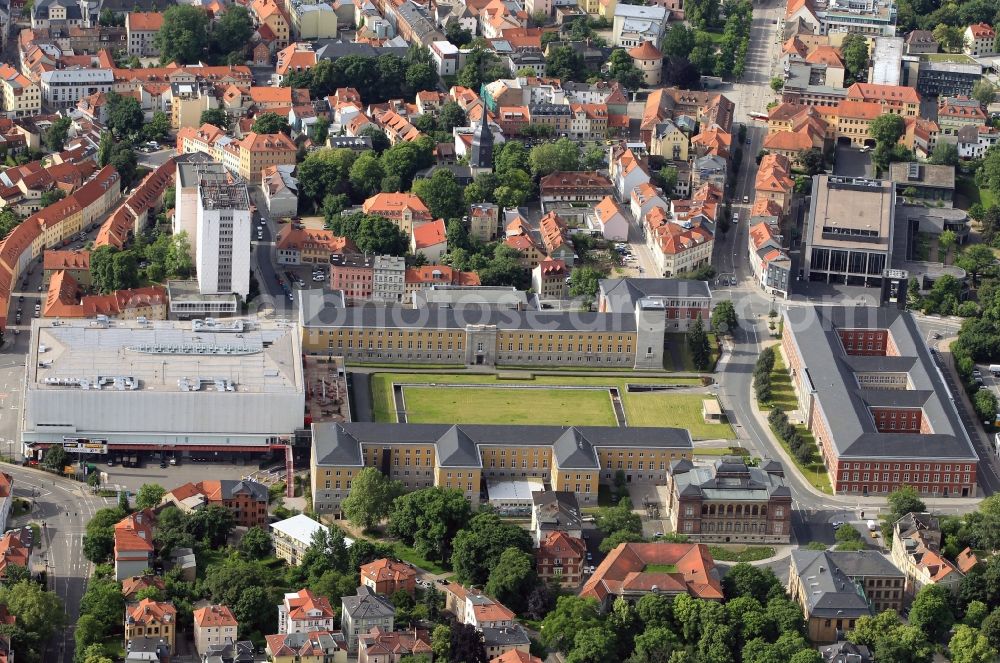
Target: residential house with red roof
x,y
14,549
555,237
957,112
272,15
140,33
297,245
549,279
156,620
916,551
381,646
431,240
563,556
404,209
515,656
633,570
422,278
65,298
315,646
294,58
980,40
21,96
304,611
213,625
246,500
388,576
609,217
133,551
774,181
135,584
470,606
769,262
678,244
574,187
897,99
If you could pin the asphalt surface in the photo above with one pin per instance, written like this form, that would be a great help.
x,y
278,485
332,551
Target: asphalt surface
x,y
65,507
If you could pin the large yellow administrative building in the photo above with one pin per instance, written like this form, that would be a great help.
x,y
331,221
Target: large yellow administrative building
x,y
574,459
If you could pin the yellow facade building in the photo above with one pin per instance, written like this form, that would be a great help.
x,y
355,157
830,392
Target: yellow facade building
x,y
575,459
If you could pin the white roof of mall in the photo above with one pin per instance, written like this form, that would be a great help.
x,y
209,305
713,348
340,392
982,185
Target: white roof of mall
x,y
235,355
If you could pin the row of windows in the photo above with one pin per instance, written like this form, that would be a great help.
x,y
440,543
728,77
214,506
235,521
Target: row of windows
x,y
916,466
856,476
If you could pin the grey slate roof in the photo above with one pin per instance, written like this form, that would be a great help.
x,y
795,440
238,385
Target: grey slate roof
x,y
556,509
457,445
231,487
621,295
830,591
330,49
831,372
315,313
367,605
507,636
728,478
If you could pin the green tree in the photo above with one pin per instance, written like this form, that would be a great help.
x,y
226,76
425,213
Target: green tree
x,y
984,92
55,458
125,116
572,615
371,234
477,548
584,282
254,611
931,612
679,41
183,38
158,128
968,645
623,70
565,63
991,628
217,116
270,123
744,580
442,195
655,610
985,403
255,544
456,34
371,498
945,154
615,539
366,175
232,31
976,259
561,155
854,49
975,614
951,38
777,83
149,495
441,643
887,128
39,615
592,645
698,345
724,317
511,580
905,500
57,134
429,519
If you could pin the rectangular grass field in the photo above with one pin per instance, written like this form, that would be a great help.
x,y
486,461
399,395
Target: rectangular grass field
x,y
496,405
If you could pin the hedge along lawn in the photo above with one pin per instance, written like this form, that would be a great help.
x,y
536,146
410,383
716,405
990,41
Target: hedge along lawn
x,y
641,409
496,405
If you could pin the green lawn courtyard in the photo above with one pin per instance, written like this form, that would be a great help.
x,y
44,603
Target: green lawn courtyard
x,y
496,405
438,403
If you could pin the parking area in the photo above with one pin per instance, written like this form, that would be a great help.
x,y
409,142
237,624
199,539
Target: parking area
x,y
132,478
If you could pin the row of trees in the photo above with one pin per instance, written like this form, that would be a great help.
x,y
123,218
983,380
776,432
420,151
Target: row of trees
x,y
756,624
928,14
379,79
189,37
802,449
164,256
762,375
699,346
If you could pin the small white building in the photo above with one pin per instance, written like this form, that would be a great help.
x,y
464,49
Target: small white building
x,y
446,57
513,497
635,24
389,279
293,535
610,219
430,239
980,40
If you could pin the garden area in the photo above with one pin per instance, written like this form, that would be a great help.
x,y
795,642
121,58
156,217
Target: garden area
x,y
437,403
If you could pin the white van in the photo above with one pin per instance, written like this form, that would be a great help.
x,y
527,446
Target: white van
x,y
995,370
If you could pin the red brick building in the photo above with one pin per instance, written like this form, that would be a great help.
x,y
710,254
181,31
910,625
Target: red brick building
x,y
247,500
387,576
871,394
563,555
684,300
354,274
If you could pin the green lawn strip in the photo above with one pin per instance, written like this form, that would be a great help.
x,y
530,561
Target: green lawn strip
x,y
664,408
404,552
783,398
713,451
405,367
740,553
495,405
660,568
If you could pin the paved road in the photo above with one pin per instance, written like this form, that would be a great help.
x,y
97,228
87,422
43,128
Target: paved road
x,y
65,507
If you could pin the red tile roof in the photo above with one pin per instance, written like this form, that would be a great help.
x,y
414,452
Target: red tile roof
x,y
214,616
430,234
623,570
